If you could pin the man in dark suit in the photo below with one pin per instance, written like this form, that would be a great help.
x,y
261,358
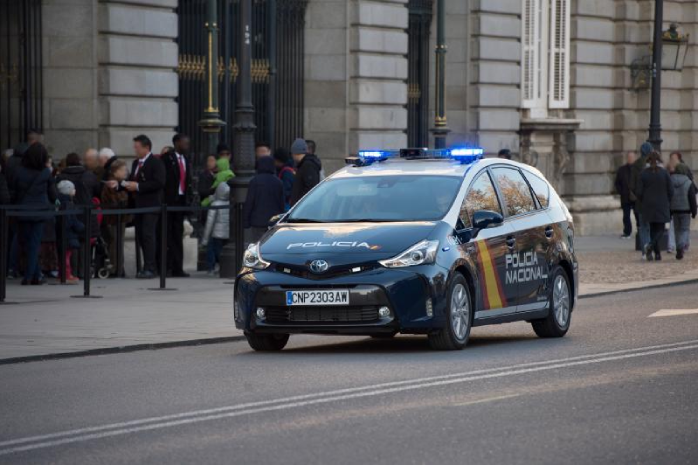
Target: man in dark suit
x,y
177,193
146,185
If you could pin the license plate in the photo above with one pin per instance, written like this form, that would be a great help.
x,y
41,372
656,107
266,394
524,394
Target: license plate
x,y
327,297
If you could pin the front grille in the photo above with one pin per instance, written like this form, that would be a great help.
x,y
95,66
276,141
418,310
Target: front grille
x,y
331,273
322,314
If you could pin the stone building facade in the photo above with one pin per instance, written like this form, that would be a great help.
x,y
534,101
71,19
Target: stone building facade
x,y
111,71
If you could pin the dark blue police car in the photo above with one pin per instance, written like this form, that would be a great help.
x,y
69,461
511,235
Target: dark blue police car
x,y
413,241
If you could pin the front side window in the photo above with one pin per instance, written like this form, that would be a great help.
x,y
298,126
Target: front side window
x,y
540,188
378,198
515,192
481,196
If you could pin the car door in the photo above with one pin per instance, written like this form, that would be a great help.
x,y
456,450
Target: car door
x,y
527,265
490,248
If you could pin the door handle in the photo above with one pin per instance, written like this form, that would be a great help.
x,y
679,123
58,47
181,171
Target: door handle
x,y
511,242
549,232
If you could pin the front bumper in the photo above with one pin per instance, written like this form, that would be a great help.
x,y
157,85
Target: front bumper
x,y
405,292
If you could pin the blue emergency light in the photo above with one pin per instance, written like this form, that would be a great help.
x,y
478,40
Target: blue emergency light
x,y
464,155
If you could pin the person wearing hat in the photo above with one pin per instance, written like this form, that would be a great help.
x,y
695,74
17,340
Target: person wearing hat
x,y
638,167
308,168
74,227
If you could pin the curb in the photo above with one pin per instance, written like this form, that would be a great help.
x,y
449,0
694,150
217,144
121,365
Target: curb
x,y
121,349
644,288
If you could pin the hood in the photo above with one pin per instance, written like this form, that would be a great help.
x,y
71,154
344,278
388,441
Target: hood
x,y
222,192
341,244
679,179
265,165
311,158
223,164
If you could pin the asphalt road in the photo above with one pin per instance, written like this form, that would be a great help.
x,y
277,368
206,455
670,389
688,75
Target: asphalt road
x,y
622,387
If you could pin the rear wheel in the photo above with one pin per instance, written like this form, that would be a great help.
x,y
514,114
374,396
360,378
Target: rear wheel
x,y
557,323
455,335
267,342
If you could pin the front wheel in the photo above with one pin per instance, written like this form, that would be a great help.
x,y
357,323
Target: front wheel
x,y
455,335
267,342
557,323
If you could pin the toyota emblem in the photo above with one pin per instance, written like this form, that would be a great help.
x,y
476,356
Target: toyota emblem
x,y
319,266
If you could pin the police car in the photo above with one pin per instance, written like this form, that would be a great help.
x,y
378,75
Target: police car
x,y
413,241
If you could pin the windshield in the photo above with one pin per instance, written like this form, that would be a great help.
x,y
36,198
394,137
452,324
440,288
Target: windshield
x,y
378,198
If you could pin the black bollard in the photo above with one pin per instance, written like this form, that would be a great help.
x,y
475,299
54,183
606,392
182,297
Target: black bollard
x,y
64,248
119,247
87,254
3,255
163,251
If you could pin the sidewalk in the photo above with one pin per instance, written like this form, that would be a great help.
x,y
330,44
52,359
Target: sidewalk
x,y
46,320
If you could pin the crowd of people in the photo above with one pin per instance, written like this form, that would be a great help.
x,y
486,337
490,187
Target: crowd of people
x,y
31,181
657,194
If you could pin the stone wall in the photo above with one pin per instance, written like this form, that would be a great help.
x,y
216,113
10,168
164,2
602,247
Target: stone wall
x,y
356,71
70,75
137,79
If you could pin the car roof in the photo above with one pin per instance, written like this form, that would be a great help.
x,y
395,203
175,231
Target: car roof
x,y
430,167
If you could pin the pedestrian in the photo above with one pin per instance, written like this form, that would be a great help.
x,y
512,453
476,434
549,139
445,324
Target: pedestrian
x,y
285,172
635,175
207,177
115,199
265,199
11,166
146,186
683,207
91,163
655,192
34,188
627,197
312,147
165,150
223,151
73,226
177,194
262,149
223,175
48,254
87,186
106,158
308,168
217,230
675,159
505,154
4,189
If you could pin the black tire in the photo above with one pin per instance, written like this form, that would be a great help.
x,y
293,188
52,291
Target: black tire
x,y
446,338
552,326
267,342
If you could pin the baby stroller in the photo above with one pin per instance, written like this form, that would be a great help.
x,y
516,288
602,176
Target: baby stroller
x,y
101,264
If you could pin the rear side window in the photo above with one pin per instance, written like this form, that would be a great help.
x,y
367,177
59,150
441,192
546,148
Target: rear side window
x,y
540,188
481,196
515,192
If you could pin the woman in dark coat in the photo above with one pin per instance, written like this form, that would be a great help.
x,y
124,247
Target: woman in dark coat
x,y
33,187
655,192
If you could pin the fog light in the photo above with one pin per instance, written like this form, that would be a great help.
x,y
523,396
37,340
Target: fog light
x,y
261,314
430,308
384,312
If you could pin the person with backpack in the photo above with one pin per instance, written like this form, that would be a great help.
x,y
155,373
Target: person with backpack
x,y
655,192
73,228
285,172
308,168
265,199
683,207
87,185
643,227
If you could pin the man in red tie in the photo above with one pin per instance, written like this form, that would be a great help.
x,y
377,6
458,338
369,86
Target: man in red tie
x,y
177,193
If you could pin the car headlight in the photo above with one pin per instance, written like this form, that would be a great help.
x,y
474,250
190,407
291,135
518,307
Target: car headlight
x,y
419,254
253,259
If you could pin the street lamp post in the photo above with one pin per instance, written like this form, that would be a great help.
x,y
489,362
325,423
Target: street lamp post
x,y
243,146
211,122
440,129
655,130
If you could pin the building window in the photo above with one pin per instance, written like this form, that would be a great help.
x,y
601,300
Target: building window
x,y
545,55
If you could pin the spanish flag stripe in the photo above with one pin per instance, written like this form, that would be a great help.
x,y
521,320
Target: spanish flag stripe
x,y
492,286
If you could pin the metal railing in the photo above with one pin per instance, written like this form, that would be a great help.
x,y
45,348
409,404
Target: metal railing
x,y
236,235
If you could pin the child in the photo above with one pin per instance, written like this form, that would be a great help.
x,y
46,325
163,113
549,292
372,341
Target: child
x,y
217,227
66,193
115,199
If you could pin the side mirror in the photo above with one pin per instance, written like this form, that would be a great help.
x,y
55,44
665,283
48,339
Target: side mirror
x,y
485,219
275,219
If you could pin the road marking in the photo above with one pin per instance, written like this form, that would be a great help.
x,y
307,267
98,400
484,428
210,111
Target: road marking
x,y
168,421
674,312
488,399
